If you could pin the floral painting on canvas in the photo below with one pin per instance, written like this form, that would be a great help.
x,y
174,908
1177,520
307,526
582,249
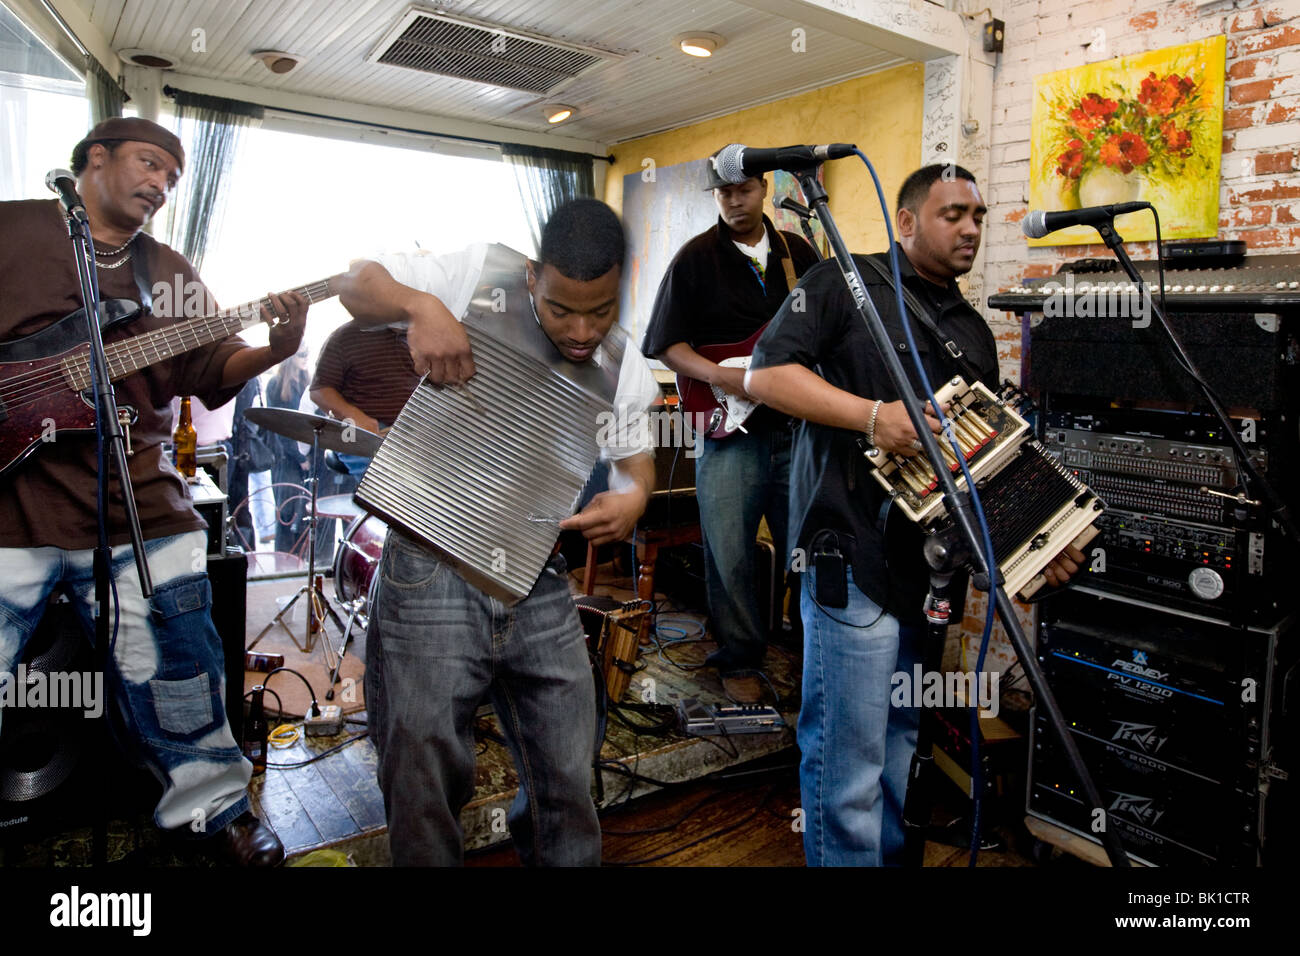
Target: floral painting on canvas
x,y
1145,127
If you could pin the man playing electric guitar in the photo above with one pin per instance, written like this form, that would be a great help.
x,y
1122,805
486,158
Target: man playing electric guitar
x,y
166,673
722,287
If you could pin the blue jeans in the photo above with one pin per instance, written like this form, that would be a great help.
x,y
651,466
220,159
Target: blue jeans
x,y
856,747
355,464
738,481
167,671
436,648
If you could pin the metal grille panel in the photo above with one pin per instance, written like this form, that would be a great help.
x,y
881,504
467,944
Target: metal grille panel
x,y
484,55
486,491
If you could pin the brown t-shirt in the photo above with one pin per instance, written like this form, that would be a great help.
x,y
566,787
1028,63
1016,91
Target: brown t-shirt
x,y
370,367
49,499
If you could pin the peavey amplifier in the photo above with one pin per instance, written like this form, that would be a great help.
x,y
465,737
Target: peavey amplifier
x,y
1184,724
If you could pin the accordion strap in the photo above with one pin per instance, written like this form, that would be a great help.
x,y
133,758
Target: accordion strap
x,y
917,310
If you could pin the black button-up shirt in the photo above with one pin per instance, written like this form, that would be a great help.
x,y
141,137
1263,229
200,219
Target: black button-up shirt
x,y
831,486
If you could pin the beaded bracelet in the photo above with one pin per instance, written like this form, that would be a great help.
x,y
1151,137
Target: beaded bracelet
x,y
871,425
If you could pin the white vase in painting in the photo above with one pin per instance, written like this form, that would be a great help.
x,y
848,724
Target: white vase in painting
x,y
1104,185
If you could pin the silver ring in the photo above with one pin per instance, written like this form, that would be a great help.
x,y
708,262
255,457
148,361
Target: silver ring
x,y
917,445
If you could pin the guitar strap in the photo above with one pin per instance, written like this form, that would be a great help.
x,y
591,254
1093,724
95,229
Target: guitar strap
x,y
918,311
787,263
139,269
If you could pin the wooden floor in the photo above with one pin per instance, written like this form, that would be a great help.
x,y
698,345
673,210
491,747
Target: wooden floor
x,y
731,803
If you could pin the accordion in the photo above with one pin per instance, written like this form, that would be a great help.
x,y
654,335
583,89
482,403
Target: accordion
x,y
1034,506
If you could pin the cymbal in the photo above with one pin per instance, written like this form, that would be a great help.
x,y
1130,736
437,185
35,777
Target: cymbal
x,y
301,426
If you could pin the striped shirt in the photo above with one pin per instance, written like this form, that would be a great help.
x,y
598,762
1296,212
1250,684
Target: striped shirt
x,y
371,368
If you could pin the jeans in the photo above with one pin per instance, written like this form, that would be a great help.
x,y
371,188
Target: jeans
x,y
436,647
856,747
261,502
355,464
167,674
739,480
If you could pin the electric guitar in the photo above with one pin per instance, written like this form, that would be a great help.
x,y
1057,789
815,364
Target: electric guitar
x,y
45,384
719,413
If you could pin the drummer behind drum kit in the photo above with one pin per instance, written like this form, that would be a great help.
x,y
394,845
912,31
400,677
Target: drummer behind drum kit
x,y
357,557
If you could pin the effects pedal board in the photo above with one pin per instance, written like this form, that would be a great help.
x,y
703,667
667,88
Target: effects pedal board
x,y
699,719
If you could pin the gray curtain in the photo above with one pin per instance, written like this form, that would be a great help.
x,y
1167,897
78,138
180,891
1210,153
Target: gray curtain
x,y
210,127
547,178
106,97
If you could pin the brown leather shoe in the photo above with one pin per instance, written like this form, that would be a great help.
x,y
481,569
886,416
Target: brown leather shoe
x,y
743,689
247,841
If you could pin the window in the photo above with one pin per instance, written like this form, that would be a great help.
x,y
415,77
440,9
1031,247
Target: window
x,y
299,208
43,110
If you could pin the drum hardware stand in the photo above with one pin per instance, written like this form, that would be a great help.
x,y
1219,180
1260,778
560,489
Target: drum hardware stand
x,y
360,606
960,511
318,605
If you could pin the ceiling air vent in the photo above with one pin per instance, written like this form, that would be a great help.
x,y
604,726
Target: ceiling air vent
x,y
483,52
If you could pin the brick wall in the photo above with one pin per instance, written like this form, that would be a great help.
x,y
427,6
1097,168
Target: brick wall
x,y
1259,192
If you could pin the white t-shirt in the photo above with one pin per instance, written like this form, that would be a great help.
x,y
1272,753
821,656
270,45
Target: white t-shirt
x,y
757,251
452,279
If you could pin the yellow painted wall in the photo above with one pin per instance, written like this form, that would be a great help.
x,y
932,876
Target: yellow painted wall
x,y
880,112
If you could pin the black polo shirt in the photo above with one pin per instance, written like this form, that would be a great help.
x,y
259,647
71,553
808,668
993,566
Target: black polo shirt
x,y
831,486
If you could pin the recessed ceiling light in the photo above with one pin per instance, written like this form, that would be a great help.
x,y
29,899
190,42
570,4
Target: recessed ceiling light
x,y
149,58
557,112
277,61
699,44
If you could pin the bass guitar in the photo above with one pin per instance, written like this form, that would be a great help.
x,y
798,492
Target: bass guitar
x,y
720,413
45,383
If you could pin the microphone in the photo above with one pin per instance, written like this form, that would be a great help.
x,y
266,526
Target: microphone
x,y
1038,223
798,208
736,163
63,183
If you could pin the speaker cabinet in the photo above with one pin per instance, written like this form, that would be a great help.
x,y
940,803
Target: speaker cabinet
x,y
60,769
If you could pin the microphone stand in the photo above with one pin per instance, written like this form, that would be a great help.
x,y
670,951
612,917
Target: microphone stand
x,y
961,513
805,219
109,443
1252,478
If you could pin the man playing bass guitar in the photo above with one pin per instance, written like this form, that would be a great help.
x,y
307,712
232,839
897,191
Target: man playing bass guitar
x,y
165,674
722,287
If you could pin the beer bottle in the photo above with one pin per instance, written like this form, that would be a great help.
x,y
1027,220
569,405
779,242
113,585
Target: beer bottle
x,y
256,731
185,442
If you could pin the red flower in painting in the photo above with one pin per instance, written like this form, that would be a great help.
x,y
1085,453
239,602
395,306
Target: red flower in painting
x,y
1093,111
1178,140
1152,130
1070,162
1124,151
1163,96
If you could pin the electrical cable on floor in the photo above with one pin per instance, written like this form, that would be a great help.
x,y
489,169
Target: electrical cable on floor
x,y
315,708
733,753
662,644
664,718
320,756
285,735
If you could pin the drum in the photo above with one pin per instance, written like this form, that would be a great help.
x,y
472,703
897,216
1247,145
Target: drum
x,y
357,561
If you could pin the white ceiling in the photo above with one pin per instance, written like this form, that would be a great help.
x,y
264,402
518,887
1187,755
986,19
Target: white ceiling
x,y
650,87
